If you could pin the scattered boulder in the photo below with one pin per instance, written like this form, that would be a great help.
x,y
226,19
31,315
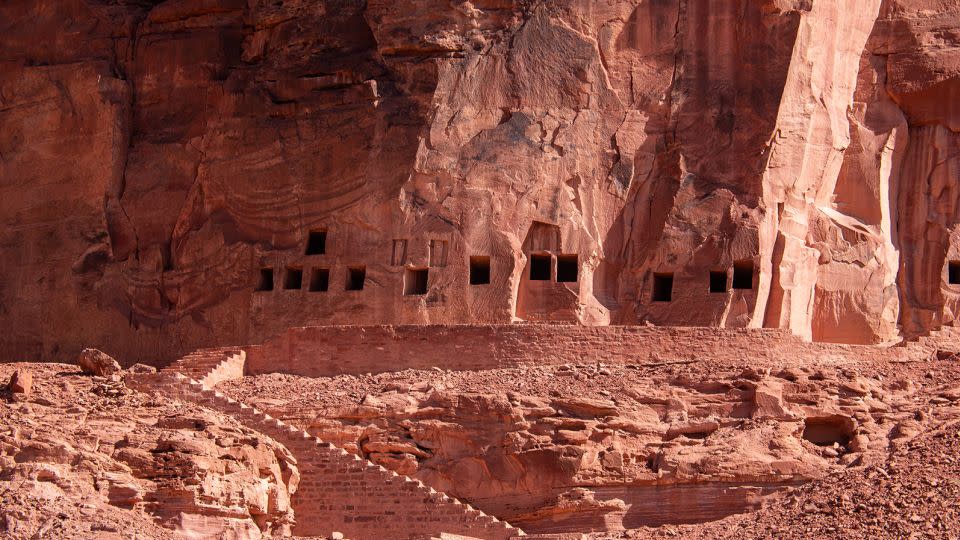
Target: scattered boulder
x,y
21,383
579,509
691,430
586,407
768,402
394,447
943,354
96,362
405,464
142,368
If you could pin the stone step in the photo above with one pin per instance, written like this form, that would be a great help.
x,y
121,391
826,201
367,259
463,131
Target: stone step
x,y
189,372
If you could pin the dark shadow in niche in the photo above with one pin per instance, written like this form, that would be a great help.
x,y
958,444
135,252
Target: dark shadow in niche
x,y
319,280
568,268
743,275
540,267
356,276
415,281
663,287
316,243
266,280
293,278
479,270
953,273
828,431
718,281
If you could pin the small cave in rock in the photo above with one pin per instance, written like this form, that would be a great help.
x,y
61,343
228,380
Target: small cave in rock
x,y
567,268
828,430
356,276
743,275
479,270
953,273
415,281
540,267
316,243
293,278
663,287
718,281
265,283
319,280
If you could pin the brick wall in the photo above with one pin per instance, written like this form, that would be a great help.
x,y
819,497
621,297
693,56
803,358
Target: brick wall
x,y
332,350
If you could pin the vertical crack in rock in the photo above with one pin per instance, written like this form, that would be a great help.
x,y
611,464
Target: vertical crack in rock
x,y
193,146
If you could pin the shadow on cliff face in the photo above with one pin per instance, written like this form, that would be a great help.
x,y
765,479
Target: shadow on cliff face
x,y
693,202
197,133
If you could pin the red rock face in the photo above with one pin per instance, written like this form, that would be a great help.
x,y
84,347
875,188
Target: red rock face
x,y
606,163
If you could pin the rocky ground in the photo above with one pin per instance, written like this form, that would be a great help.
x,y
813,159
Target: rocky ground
x,y
87,457
686,449
913,493
644,448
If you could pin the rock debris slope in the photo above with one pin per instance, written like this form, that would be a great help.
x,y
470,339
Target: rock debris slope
x,y
179,174
87,457
621,448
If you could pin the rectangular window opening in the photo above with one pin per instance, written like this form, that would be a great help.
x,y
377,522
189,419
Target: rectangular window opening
x,y
540,267
567,268
316,243
718,281
479,270
293,278
266,280
663,287
953,273
355,278
415,281
319,280
743,275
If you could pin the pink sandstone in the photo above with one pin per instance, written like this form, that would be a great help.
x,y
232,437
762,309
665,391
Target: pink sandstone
x,y
419,269
164,164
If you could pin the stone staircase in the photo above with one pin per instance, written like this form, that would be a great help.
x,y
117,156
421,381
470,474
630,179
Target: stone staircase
x,y
210,366
338,491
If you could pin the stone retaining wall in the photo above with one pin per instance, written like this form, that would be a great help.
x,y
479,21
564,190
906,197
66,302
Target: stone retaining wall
x,y
333,350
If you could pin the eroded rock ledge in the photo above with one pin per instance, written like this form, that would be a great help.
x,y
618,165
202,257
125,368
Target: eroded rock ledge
x,y
594,447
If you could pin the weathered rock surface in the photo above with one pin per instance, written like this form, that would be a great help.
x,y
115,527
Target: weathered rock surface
x,y
911,493
96,362
161,161
21,383
579,448
88,459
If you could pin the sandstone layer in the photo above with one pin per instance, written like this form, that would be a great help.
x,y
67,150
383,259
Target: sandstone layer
x,y
186,173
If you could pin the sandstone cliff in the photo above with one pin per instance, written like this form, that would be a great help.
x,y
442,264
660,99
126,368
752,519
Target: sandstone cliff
x,y
183,173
